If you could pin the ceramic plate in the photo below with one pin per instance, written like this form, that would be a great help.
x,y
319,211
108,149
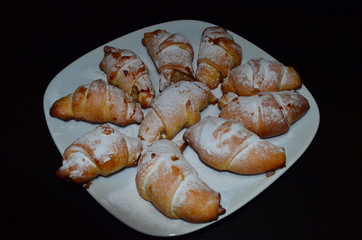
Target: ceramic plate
x,y
117,193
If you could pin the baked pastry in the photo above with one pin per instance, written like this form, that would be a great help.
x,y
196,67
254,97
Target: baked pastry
x,y
172,54
266,114
98,102
127,71
260,75
177,107
172,185
218,54
101,151
227,145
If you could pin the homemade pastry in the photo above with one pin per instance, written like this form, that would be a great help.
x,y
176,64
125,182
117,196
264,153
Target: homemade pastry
x,y
227,145
172,185
218,54
266,114
172,54
103,151
260,75
98,102
127,71
177,107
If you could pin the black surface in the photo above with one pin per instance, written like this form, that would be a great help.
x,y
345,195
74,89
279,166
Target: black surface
x,y
317,198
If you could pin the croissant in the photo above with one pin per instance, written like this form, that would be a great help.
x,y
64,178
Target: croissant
x,y
218,54
177,107
98,102
260,75
101,151
266,114
172,54
227,145
127,71
173,186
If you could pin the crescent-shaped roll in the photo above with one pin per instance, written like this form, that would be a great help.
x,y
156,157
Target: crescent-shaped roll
x,y
172,54
266,114
176,107
173,186
227,145
98,102
218,54
101,151
127,71
260,75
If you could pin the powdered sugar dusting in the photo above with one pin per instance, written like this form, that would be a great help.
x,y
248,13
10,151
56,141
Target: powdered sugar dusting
x,y
103,146
210,50
257,75
78,160
244,74
267,74
173,99
289,98
217,143
227,144
170,51
272,77
216,53
271,112
192,182
174,57
247,107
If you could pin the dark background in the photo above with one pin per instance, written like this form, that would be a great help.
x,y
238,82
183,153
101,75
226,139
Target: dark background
x,y
317,198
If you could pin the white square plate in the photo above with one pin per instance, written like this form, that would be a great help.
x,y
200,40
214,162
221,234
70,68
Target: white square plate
x,y
117,193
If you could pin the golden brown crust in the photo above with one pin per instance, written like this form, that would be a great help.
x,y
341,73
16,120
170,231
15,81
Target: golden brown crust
x,y
127,71
98,102
172,54
62,108
101,151
177,107
266,114
260,75
219,53
227,145
167,180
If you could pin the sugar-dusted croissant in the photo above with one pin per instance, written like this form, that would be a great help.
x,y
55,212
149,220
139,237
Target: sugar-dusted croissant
x,y
173,186
218,54
172,54
266,114
98,102
260,75
101,151
176,107
127,71
227,145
